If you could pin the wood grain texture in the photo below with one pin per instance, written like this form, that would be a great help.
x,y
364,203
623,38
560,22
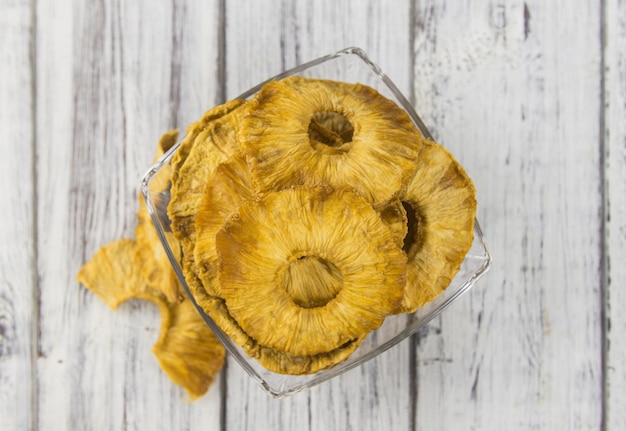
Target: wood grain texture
x,y
280,35
113,77
17,251
615,207
512,89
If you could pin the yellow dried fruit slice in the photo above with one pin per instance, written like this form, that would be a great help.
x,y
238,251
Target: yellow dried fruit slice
x,y
303,131
228,187
194,129
260,249
441,202
114,276
156,267
187,350
213,145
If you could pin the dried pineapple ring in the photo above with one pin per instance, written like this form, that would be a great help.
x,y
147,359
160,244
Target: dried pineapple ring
x,y
307,132
267,237
229,186
441,203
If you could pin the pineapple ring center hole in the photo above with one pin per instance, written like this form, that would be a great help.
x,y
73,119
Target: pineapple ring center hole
x,y
415,230
330,132
312,281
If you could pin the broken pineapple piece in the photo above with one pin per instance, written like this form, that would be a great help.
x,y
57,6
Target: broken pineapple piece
x,y
441,202
113,275
187,350
308,132
260,248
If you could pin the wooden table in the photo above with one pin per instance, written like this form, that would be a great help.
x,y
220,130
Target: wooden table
x,y
531,98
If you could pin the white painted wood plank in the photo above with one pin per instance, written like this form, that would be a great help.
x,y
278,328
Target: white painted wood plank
x,y
17,256
615,180
112,77
513,89
293,32
264,38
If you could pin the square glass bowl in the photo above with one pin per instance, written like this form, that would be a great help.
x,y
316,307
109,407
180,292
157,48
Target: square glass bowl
x,y
349,65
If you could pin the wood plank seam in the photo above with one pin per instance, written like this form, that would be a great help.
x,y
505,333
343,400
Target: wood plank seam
x,y
604,272
221,52
614,189
176,63
221,78
35,312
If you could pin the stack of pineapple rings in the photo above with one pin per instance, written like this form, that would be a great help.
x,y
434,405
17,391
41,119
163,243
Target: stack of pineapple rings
x,y
309,213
